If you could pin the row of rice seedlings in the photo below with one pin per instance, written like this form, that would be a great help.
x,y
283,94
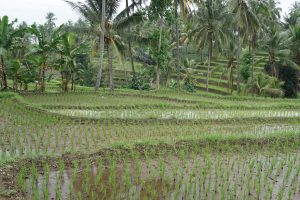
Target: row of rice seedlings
x,y
188,175
88,138
75,100
177,114
96,99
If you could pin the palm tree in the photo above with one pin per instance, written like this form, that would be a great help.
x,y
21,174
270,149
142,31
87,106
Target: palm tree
x,y
158,9
276,43
44,47
69,54
261,11
211,29
265,85
230,53
7,35
244,20
91,10
123,22
50,23
94,11
293,18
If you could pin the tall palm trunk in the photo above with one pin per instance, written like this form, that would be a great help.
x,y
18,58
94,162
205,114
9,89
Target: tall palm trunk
x,y
229,76
253,56
110,63
15,83
130,50
159,49
3,74
273,65
66,82
99,75
73,82
177,42
42,77
238,62
209,59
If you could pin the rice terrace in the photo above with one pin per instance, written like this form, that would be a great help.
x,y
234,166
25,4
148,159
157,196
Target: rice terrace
x,y
157,99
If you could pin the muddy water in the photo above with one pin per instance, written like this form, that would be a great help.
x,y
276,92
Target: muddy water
x,y
173,178
30,142
177,114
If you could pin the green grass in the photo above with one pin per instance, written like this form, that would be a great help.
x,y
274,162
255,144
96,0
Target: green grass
x,y
149,145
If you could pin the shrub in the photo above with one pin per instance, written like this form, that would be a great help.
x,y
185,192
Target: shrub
x,y
264,85
289,76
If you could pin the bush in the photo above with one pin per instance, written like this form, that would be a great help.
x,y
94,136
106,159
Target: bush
x,y
290,78
245,65
172,84
188,85
143,79
264,85
245,72
288,75
272,92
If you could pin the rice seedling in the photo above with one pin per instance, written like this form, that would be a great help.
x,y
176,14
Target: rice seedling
x,y
151,146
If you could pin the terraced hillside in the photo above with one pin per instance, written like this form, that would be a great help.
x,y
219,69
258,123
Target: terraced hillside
x,y
218,82
148,145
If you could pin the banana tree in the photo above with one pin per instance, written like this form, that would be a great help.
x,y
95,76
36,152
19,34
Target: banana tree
x,y
22,73
7,35
45,47
68,62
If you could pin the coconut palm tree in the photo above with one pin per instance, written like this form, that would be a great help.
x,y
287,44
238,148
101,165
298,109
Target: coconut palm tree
x,y
211,29
183,6
293,18
262,12
128,17
7,35
265,85
50,23
244,20
91,10
276,43
97,13
230,53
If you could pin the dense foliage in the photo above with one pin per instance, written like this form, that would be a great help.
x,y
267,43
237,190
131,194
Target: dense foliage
x,y
156,38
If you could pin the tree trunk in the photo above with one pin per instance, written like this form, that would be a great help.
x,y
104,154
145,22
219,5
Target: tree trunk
x,y
238,62
159,49
42,78
15,83
177,43
3,74
73,82
99,75
110,63
272,63
253,56
62,80
130,50
253,64
229,76
25,86
209,60
66,82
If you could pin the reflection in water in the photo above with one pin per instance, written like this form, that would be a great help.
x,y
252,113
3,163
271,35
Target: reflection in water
x,y
177,114
196,177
